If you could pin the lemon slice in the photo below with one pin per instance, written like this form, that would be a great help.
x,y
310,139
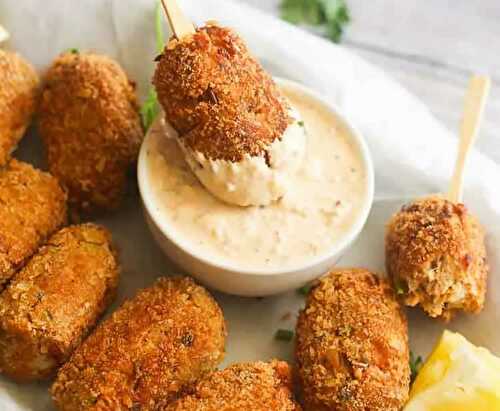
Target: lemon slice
x,y
4,34
457,376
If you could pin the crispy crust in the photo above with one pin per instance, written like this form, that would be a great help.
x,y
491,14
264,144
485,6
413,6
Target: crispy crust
x,y
90,124
352,345
435,254
32,207
18,99
54,301
256,386
218,96
152,347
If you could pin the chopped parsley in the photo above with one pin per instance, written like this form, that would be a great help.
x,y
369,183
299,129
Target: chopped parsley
x,y
73,51
415,365
400,287
329,15
304,290
300,123
284,335
151,107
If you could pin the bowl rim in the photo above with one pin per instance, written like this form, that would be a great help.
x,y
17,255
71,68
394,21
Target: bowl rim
x,y
337,247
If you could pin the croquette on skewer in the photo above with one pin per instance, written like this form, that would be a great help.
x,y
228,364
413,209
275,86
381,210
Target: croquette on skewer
x,y
231,118
32,207
90,125
436,257
352,345
150,349
18,100
54,301
204,80
256,386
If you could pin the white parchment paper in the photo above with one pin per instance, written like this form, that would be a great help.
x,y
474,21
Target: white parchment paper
x,y
413,154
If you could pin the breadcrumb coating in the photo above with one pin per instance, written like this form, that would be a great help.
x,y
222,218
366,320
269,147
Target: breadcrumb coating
x,y
256,386
218,97
436,257
54,301
154,346
32,207
352,345
18,100
90,124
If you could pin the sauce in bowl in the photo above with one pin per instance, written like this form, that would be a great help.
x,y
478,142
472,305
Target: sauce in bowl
x,y
329,193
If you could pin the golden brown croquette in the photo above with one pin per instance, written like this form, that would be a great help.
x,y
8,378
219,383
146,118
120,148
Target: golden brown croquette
x,y
90,124
150,349
436,257
352,345
256,386
18,100
32,207
217,95
54,301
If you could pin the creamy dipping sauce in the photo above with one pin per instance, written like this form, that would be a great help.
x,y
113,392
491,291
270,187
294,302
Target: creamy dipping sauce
x,y
328,194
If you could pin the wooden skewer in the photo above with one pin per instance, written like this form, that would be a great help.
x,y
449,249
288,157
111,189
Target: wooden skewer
x,y
4,34
179,23
475,101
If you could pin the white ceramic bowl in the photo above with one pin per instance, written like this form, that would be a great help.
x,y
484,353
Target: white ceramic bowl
x,y
255,283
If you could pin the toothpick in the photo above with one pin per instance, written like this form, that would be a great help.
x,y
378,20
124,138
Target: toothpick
x,y
475,101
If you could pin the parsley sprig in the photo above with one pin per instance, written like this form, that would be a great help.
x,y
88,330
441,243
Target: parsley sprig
x,y
330,15
151,107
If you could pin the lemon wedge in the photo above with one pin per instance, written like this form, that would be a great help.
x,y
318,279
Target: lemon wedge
x,y
458,376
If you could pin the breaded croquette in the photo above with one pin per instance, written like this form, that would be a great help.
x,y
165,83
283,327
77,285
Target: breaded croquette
x,y
154,346
352,345
256,386
218,97
18,100
90,124
32,207
54,301
436,257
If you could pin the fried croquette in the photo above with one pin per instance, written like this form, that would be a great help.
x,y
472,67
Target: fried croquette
x,y
18,100
256,386
218,97
54,301
436,257
90,125
32,207
154,346
352,345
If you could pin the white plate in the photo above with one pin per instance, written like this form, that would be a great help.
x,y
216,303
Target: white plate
x,y
412,152
252,322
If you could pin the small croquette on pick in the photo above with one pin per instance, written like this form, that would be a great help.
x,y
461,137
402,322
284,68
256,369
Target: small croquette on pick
x,y
352,345
90,124
18,100
256,386
54,301
150,349
32,207
436,257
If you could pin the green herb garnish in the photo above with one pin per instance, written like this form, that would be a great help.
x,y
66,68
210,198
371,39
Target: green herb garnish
x,y
300,123
330,15
73,51
415,365
304,290
151,107
284,335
